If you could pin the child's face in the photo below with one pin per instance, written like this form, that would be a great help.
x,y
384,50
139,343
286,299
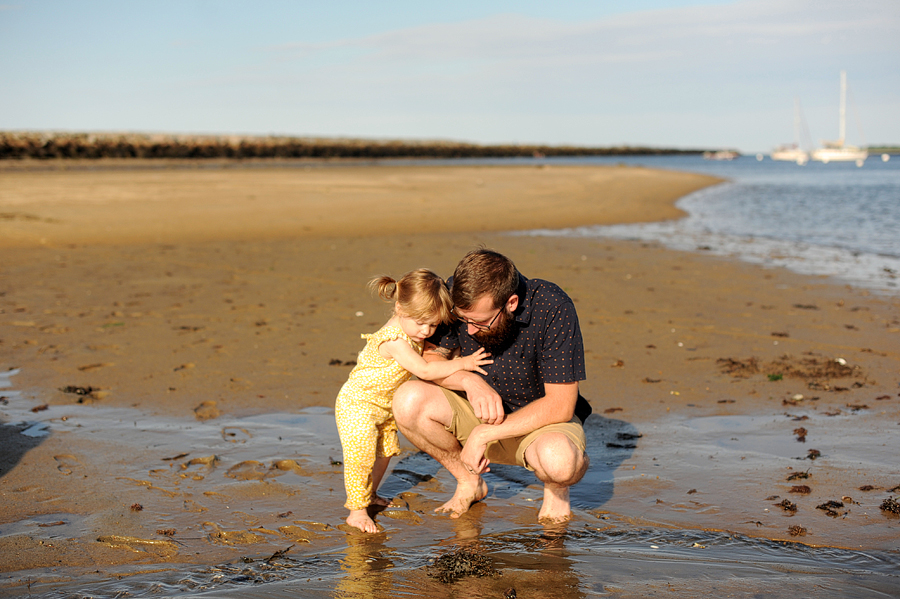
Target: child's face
x,y
418,329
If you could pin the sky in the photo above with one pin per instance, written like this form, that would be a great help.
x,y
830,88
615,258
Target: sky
x,y
660,73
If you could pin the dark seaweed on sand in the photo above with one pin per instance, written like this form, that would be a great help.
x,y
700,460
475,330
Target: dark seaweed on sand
x,y
891,505
787,506
796,531
78,390
452,566
624,437
831,508
813,369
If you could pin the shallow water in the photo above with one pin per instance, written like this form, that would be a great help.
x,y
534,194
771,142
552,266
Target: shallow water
x,y
257,506
587,562
836,220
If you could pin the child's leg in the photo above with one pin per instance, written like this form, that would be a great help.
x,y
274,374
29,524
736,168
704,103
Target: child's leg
x,y
358,438
381,464
353,479
388,445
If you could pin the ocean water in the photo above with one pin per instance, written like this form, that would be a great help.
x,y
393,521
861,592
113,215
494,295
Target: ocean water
x,y
836,220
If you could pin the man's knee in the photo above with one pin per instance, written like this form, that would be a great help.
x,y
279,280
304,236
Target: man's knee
x,y
555,458
416,401
406,397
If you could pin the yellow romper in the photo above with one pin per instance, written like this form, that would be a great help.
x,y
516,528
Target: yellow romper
x,y
363,413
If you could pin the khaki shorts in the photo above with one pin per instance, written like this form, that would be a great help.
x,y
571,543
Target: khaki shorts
x,y
512,450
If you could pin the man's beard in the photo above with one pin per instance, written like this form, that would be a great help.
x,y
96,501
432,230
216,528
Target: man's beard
x,y
500,336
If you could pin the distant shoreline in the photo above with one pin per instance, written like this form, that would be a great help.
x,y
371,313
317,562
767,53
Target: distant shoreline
x,y
46,146
54,206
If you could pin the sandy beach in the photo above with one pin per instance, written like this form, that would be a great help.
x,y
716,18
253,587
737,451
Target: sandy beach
x,y
172,340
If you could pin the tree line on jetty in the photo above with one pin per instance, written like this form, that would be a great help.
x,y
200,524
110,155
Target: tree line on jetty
x,y
50,146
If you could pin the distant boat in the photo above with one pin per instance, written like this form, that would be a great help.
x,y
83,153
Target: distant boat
x,y
790,153
793,152
839,151
721,155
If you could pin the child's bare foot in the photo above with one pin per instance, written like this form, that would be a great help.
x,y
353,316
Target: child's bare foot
x,y
360,519
466,494
381,501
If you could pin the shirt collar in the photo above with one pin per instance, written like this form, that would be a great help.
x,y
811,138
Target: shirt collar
x,y
525,307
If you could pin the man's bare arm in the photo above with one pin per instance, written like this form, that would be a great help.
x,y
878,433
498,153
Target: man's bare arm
x,y
433,352
486,403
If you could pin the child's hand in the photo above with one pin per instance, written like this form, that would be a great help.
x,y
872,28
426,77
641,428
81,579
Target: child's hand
x,y
477,359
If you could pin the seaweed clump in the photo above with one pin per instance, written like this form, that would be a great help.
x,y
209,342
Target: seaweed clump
x,y
891,505
831,508
797,531
452,566
787,506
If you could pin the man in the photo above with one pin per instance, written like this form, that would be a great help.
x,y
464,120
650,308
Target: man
x,y
527,410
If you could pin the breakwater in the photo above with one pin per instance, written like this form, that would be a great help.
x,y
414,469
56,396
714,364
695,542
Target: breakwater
x,y
47,146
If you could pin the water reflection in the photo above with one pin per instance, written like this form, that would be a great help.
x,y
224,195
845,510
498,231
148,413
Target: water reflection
x,y
366,567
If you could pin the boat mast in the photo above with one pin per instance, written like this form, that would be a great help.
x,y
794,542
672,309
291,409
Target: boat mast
x,y
843,123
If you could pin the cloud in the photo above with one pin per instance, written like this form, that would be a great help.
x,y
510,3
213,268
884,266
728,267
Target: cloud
x,y
698,33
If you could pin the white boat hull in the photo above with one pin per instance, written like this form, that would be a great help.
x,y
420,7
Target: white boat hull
x,y
838,151
845,154
791,155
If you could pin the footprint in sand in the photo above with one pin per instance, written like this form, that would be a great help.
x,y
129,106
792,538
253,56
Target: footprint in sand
x,y
249,470
219,536
192,506
298,534
209,462
207,410
66,463
290,466
161,548
405,515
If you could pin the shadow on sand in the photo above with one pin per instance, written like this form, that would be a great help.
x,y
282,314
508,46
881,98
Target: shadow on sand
x,y
14,445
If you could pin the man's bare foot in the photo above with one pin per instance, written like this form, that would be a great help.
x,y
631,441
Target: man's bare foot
x,y
556,507
466,494
360,519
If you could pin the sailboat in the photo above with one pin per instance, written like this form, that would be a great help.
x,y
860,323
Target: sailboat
x,y
838,151
793,152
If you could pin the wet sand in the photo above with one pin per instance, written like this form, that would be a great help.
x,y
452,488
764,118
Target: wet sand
x,y
202,321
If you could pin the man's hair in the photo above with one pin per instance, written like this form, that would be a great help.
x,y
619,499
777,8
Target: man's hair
x,y
484,272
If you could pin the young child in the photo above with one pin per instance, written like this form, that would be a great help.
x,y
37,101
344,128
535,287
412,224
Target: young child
x,y
392,355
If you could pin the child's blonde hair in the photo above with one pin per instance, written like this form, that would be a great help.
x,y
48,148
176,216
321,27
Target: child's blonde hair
x,y
419,294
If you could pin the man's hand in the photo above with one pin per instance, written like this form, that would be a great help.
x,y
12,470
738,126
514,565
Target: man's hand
x,y
486,402
472,455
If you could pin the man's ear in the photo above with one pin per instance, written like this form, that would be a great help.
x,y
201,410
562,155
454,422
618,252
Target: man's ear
x,y
512,303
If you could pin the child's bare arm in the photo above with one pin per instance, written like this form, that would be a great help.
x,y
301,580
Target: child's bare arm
x,y
400,351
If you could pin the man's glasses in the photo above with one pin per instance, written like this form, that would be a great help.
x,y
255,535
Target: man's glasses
x,y
477,325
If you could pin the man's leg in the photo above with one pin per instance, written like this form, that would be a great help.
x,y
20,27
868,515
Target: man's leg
x,y
559,464
422,412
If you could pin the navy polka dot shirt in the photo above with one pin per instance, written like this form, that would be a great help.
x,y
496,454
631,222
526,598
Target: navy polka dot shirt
x,y
547,349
